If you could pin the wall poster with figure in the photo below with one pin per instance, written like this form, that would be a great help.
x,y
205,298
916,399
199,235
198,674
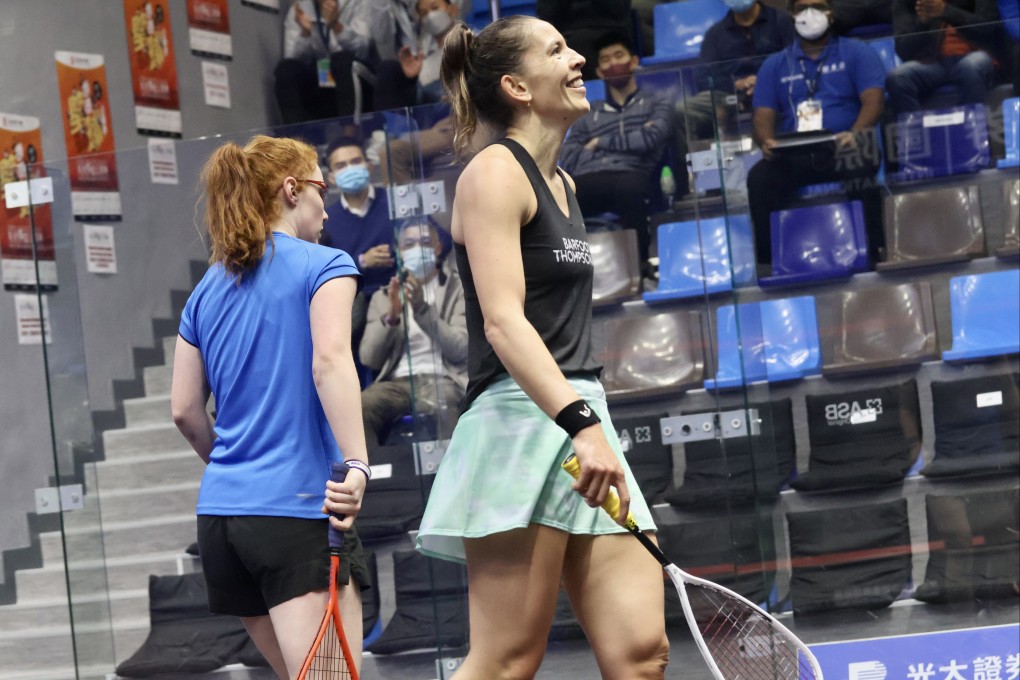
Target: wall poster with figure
x,y
88,134
209,28
20,160
153,67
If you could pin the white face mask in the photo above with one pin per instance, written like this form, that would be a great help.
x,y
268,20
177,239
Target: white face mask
x,y
811,24
419,261
436,22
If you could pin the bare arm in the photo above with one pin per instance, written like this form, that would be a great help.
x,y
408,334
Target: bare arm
x,y
872,103
189,393
764,123
490,219
336,381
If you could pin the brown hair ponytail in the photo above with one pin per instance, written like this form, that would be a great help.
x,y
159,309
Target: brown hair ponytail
x,y
240,190
471,71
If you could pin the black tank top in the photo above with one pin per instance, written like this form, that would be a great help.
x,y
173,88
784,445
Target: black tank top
x,y
558,275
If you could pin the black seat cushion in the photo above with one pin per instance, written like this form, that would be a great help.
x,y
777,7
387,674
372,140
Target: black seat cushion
x,y
856,557
977,426
862,438
740,470
973,547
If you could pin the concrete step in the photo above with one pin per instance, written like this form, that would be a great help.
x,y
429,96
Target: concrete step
x,y
139,472
93,608
37,649
147,410
97,575
54,672
155,533
169,344
119,504
145,440
157,379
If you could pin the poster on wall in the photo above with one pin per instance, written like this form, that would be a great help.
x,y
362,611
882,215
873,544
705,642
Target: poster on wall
x,y
209,28
153,67
268,5
31,322
216,83
88,134
20,157
100,249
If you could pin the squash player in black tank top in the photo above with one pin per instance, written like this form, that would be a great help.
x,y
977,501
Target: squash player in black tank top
x,y
519,77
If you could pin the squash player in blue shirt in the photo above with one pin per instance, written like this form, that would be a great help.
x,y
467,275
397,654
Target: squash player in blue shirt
x,y
821,82
267,330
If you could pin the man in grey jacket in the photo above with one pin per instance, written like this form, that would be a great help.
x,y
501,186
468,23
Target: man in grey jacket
x,y
612,152
417,344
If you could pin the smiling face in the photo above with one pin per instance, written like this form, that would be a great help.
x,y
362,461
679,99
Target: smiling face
x,y
550,81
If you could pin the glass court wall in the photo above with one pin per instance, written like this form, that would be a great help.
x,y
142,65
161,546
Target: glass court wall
x,y
831,430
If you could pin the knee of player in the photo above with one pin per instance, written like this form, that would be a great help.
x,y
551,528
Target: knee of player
x,y
650,656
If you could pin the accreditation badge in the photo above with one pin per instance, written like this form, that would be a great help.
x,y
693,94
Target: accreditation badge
x,y
809,115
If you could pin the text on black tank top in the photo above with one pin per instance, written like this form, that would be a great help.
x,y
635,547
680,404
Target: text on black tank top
x,y
558,276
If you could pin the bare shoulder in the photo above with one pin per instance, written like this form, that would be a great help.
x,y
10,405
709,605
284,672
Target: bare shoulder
x,y
494,186
570,180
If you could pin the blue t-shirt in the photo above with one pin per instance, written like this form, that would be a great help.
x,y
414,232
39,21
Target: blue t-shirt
x,y
843,70
273,444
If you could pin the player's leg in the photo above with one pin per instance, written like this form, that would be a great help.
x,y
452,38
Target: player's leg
x,y
616,591
260,630
295,623
513,580
350,614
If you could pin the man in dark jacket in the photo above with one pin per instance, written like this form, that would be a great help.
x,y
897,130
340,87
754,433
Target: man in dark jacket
x,y
942,41
613,151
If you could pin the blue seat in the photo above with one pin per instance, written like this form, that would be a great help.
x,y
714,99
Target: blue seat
x,y
1009,14
817,243
942,142
985,310
703,258
773,341
1011,125
594,90
865,31
886,49
680,28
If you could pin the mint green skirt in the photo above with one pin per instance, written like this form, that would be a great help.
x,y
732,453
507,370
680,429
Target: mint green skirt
x,y
502,472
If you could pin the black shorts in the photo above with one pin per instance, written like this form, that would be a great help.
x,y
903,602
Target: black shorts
x,y
253,563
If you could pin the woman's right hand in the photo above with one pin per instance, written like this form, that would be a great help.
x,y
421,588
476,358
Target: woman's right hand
x,y
393,293
600,470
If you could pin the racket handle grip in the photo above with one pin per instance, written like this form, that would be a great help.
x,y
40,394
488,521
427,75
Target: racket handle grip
x,y
338,473
612,502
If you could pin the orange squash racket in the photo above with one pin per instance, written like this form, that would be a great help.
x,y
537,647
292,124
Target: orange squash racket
x,y
330,656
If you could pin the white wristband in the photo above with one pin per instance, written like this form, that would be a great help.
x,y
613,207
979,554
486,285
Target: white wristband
x,y
360,467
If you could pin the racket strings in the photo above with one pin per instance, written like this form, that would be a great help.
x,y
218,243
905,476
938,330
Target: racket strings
x,y
329,662
743,642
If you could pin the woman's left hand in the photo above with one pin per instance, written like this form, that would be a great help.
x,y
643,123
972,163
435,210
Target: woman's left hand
x,y
344,500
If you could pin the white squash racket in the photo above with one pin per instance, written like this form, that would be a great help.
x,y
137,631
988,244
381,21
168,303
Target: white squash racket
x,y
738,639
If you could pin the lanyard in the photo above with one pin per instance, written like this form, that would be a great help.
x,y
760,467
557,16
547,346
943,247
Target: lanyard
x,y
323,28
812,84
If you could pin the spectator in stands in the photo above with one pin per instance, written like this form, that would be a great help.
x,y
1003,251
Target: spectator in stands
x,y
413,77
359,223
416,336
731,52
321,41
821,82
583,23
851,14
614,150
942,42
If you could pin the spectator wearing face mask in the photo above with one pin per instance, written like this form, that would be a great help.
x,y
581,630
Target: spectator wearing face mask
x,y
731,52
612,152
413,78
416,337
359,223
821,82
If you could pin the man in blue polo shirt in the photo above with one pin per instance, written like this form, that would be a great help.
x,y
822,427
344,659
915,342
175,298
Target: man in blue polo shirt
x,y
821,82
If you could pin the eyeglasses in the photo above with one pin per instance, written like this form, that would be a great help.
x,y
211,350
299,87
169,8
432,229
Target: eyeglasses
x,y
323,187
